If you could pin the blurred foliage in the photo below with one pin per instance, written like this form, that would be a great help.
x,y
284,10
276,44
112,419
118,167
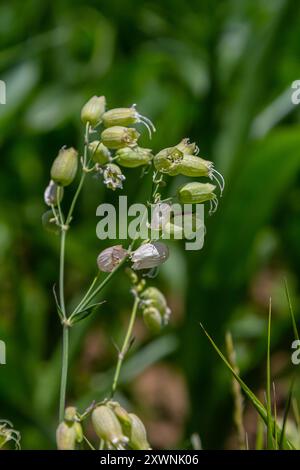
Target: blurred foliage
x,y
218,72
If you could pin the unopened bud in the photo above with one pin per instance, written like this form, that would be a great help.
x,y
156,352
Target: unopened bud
x,y
153,297
152,319
64,167
196,193
70,413
117,137
149,255
93,110
133,157
107,426
53,195
100,153
113,177
109,258
67,434
138,436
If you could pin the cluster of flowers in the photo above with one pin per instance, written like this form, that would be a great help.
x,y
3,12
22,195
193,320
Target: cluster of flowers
x,y
183,159
8,433
116,428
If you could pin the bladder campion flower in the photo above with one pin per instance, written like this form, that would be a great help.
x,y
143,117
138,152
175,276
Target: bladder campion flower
x,y
64,167
149,255
109,258
93,110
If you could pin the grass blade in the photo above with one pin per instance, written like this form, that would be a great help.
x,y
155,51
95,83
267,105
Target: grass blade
x,y
285,416
254,400
296,333
270,444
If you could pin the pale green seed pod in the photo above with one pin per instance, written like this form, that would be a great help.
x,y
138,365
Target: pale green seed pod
x,y
138,435
49,223
107,425
93,110
117,137
187,147
191,165
64,167
152,319
167,161
120,117
152,297
196,193
66,436
133,157
100,154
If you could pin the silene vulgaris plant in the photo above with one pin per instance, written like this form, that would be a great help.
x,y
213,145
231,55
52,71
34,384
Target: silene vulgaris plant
x,y
110,148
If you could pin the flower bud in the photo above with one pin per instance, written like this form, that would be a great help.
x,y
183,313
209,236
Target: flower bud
x,y
52,196
153,297
107,426
49,223
64,167
100,153
167,161
138,436
70,413
93,110
109,258
149,255
117,137
194,193
152,319
113,177
133,157
67,434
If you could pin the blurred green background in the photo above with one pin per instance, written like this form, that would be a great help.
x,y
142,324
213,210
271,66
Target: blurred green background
x,y
217,72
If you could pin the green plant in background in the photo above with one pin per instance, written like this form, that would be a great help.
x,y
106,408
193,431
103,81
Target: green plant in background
x,y
277,435
118,143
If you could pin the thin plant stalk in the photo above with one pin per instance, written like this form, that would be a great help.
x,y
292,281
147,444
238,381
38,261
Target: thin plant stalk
x,y
65,321
125,346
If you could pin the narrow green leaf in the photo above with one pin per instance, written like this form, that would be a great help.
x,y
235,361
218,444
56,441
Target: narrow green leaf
x,y
270,443
296,333
254,400
285,416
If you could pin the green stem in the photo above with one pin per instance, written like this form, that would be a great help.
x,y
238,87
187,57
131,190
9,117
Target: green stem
x,y
64,372
125,346
62,272
66,323
89,298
